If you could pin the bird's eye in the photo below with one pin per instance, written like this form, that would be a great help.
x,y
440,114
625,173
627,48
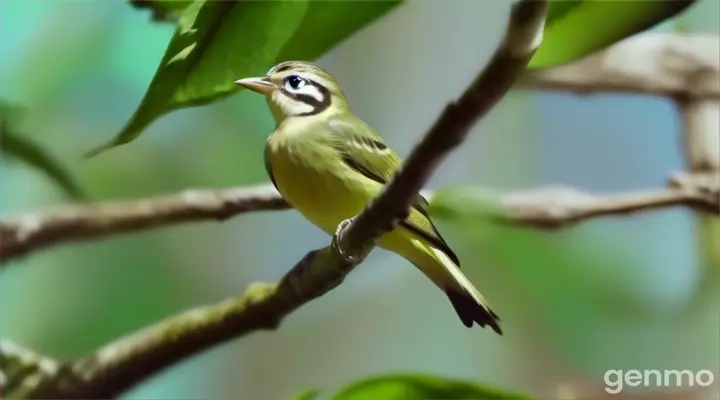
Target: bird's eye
x,y
295,82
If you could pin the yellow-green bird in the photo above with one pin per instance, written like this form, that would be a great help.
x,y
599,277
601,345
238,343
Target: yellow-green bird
x,y
328,164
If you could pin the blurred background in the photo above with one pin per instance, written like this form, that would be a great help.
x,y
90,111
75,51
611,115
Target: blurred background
x,y
612,293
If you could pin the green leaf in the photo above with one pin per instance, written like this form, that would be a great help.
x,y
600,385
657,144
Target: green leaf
x,y
18,146
162,10
577,28
328,23
420,387
217,43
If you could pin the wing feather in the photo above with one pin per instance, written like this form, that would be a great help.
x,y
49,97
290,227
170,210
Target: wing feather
x,y
365,151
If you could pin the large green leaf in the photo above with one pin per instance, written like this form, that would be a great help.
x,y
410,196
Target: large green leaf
x,y
18,146
577,28
420,387
219,42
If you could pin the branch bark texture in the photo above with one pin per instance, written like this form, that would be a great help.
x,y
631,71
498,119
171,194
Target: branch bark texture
x,y
118,366
27,232
22,369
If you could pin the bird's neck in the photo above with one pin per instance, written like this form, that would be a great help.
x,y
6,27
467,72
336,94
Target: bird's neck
x,y
293,126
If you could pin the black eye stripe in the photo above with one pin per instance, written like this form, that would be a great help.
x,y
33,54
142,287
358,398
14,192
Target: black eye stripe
x,y
317,106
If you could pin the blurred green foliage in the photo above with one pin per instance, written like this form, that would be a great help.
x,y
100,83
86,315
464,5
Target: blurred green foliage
x,y
81,52
217,43
577,28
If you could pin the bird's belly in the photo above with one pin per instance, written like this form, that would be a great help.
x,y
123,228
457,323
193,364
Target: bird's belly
x,y
321,195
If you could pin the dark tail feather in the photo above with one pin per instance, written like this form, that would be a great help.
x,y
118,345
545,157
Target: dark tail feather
x,y
471,311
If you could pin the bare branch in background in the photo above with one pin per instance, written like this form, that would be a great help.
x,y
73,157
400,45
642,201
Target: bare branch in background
x,y
560,207
544,208
121,365
659,64
27,232
700,135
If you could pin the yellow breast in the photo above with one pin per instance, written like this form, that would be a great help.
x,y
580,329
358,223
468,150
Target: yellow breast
x,y
312,177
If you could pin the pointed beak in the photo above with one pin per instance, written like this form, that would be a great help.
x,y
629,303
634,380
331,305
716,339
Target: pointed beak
x,y
259,85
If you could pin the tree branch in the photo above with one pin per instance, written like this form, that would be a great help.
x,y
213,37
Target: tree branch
x,y
561,207
700,135
118,366
667,64
21,234
22,369
543,208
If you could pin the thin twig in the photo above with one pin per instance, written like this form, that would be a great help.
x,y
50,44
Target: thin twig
x,y
27,232
118,366
560,207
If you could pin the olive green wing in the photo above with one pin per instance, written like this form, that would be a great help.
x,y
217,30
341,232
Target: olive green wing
x,y
365,151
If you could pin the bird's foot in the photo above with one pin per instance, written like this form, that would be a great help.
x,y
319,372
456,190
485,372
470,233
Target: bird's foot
x,y
337,239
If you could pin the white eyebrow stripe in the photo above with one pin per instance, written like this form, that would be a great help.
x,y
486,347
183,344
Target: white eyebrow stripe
x,y
310,90
313,77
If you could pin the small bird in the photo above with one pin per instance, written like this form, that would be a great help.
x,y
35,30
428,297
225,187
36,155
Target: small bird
x,y
329,164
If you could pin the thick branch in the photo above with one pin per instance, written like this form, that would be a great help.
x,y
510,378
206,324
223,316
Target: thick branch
x,y
650,63
121,365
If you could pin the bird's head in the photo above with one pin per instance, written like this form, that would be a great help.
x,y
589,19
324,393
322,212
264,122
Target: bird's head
x,y
297,89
